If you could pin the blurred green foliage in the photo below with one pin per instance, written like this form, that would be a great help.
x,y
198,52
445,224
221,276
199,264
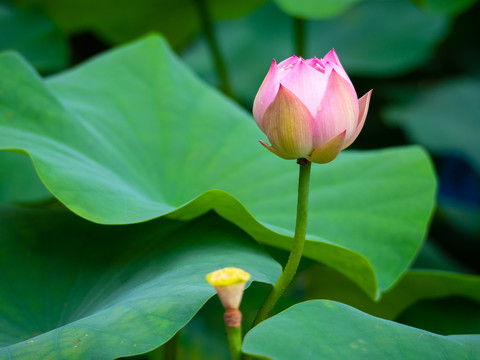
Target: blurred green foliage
x,y
117,21
371,39
35,35
422,59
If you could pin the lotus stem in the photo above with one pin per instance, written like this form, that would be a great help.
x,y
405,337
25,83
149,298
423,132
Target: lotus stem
x,y
297,246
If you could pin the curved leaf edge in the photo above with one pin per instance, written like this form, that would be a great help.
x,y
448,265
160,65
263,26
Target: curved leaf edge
x,y
232,210
459,339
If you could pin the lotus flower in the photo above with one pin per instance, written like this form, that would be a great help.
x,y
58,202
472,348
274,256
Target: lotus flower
x,y
309,108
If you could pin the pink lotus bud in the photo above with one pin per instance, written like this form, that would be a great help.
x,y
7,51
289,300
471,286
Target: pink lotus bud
x,y
309,108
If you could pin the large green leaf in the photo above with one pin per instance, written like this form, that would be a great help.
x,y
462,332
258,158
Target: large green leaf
x,y
331,330
118,21
19,182
370,39
444,118
71,289
415,285
134,135
34,35
314,9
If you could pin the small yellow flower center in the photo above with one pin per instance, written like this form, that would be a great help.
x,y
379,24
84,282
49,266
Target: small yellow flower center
x,y
228,276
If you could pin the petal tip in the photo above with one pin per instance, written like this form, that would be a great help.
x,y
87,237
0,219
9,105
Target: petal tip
x,y
329,150
275,151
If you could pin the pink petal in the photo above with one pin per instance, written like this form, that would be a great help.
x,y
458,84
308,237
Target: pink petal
x,y
363,104
275,151
331,61
306,83
265,95
329,150
332,57
288,125
338,110
316,63
292,60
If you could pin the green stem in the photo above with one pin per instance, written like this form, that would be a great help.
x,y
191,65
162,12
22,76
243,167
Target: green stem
x,y
170,348
207,26
234,338
299,25
297,247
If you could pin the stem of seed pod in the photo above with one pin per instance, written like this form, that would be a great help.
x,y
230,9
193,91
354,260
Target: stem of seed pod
x,y
170,349
297,246
207,26
233,327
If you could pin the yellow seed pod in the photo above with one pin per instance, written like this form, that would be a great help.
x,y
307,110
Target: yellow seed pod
x,y
229,284
228,276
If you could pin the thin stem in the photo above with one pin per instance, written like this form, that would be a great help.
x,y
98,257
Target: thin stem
x,y
207,26
299,25
297,246
234,338
170,348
